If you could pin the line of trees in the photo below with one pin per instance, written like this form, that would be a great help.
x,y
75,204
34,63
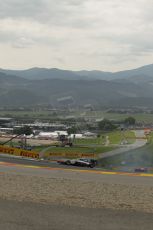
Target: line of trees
x,y
108,125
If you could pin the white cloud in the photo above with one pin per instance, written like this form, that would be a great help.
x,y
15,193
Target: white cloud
x,y
88,34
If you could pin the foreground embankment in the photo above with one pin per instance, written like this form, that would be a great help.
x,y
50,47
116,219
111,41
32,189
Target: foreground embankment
x,y
76,192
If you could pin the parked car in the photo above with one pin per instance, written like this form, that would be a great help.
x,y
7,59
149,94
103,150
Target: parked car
x,y
79,162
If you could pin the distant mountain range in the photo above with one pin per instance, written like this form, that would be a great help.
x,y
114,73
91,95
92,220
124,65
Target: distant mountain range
x,y
58,87
44,73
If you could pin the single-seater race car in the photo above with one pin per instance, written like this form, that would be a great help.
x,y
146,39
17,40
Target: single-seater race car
x,y
141,169
91,163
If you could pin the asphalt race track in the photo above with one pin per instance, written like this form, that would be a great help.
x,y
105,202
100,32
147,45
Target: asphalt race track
x,y
28,216
49,169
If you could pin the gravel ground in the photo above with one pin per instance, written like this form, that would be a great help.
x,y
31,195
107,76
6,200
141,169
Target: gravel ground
x,y
79,193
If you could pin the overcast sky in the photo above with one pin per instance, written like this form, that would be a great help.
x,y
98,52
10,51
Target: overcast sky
x,y
107,35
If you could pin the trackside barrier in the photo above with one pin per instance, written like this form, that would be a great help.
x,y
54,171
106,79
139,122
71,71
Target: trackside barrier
x,y
18,152
72,155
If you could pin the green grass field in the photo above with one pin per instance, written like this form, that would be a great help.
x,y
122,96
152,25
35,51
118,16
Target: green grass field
x,y
115,138
29,115
95,150
139,117
142,117
92,145
75,149
119,117
141,157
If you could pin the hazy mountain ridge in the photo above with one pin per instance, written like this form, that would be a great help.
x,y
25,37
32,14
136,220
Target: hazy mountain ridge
x,y
43,73
27,89
54,73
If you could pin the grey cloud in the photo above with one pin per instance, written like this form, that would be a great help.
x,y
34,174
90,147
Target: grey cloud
x,y
111,29
15,40
65,13
21,35
73,2
22,43
20,8
45,11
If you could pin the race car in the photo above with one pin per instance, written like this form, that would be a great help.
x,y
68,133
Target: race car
x,y
79,162
140,170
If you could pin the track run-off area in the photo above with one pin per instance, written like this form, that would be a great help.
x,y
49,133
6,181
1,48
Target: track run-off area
x,y
53,170
96,171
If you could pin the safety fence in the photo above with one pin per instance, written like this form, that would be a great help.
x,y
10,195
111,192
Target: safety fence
x,y
18,152
71,155
30,154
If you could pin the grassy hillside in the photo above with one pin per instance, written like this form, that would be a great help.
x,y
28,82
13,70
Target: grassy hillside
x,y
115,138
141,157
